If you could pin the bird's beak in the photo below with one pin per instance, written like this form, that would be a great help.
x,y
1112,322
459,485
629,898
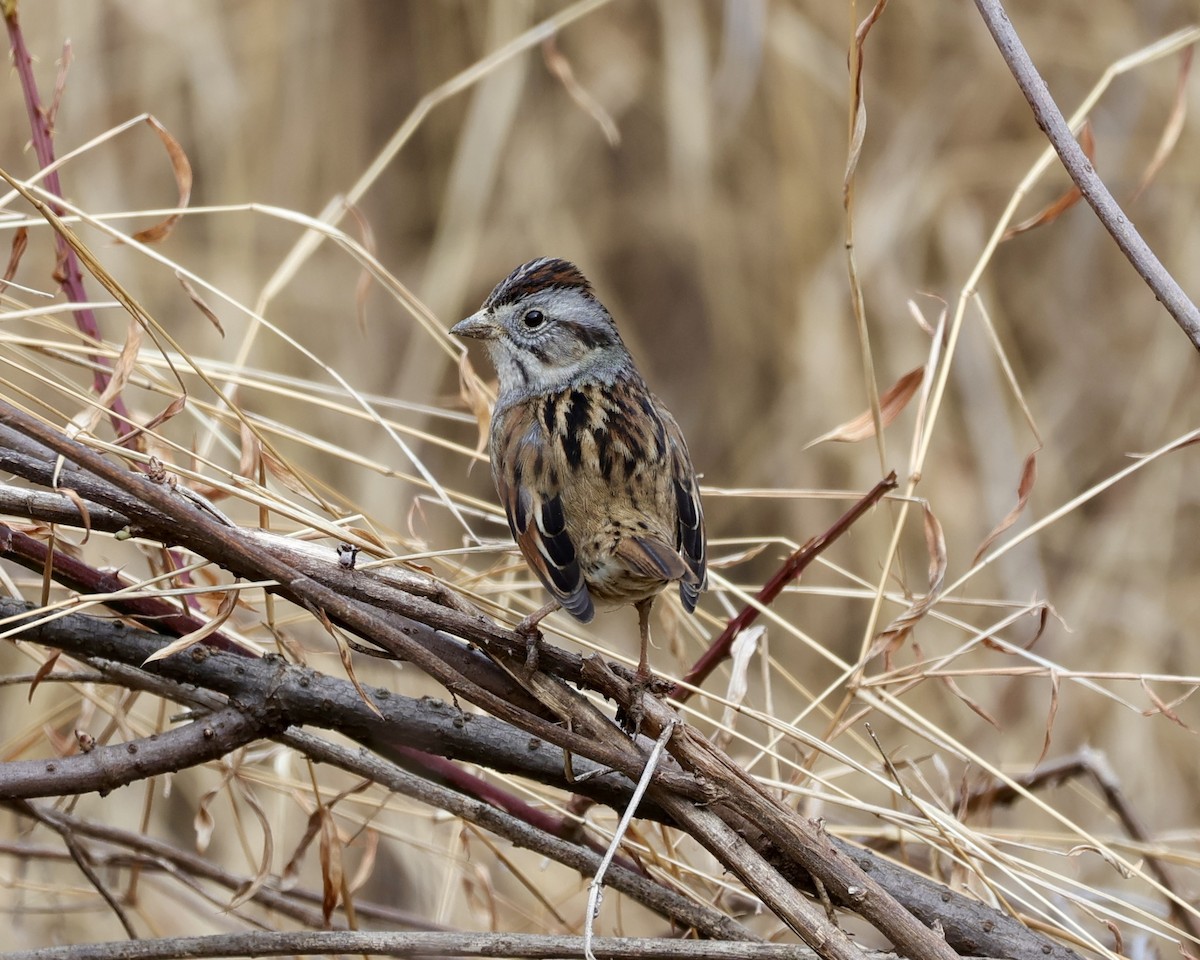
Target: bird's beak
x,y
479,326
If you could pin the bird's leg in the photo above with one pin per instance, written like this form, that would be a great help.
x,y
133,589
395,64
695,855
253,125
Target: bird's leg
x,y
528,628
641,680
643,669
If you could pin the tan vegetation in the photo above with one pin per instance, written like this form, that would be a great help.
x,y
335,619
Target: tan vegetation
x,y
691,157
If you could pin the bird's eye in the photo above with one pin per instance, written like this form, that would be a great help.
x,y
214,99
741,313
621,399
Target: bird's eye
x,y
533,319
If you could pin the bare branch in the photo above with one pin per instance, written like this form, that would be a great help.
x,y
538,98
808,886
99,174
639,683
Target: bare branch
x,y
1052,122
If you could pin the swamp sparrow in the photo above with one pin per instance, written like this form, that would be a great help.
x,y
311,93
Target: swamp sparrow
x,y
592,470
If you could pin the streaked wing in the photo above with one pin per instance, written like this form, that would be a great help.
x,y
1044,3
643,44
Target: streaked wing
x,y
535,509
690,523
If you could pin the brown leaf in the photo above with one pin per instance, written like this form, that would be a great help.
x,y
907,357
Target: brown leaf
x,y
892,636
247,890
331,864
475,395
283,473
203,822
81,506
182,169
975,706
1024,489
1053,211
858,109
891,403
1055,683
1167,709
347,660
194,296
369,536
121,372
1173,128
172,409
291,872
20,242
43,671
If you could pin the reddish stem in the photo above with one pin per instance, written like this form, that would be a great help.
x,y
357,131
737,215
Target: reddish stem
x,y
791,569
67,271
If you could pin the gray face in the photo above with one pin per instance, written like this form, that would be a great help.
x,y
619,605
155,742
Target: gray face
x,y
546,340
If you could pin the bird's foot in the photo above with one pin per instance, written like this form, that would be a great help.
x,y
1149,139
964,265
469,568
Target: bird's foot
x,y
528,629
533,643
643,683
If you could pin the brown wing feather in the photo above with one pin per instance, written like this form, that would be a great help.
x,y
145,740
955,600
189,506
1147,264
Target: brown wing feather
x,y
535,509
690,514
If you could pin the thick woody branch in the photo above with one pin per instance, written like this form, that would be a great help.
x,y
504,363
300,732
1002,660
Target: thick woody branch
x,y
416,628
103,769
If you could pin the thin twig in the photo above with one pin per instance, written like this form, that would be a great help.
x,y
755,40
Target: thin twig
x,y
795,565
1055,126
308,943
51,818
596,887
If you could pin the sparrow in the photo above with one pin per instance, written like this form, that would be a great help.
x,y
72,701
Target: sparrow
x,y
591,468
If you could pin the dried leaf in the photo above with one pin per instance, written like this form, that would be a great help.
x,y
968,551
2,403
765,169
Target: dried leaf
x,y
1167,709
369,536
228,603
1024,489
331,864
283,473
347,660
890,639
43,671
1173,128
858,106
477,398
203,822
80,505
121,372
291,872
891,403
366,861
733,559
194,296
263,873
182,169
174,408
1055,684
741,654
20,242
1064,203
974,705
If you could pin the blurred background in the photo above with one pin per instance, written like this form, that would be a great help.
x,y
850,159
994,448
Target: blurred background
x,y
690,156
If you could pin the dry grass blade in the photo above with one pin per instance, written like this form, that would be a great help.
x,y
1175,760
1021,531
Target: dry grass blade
x,y
718,226
560,66
1172,129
